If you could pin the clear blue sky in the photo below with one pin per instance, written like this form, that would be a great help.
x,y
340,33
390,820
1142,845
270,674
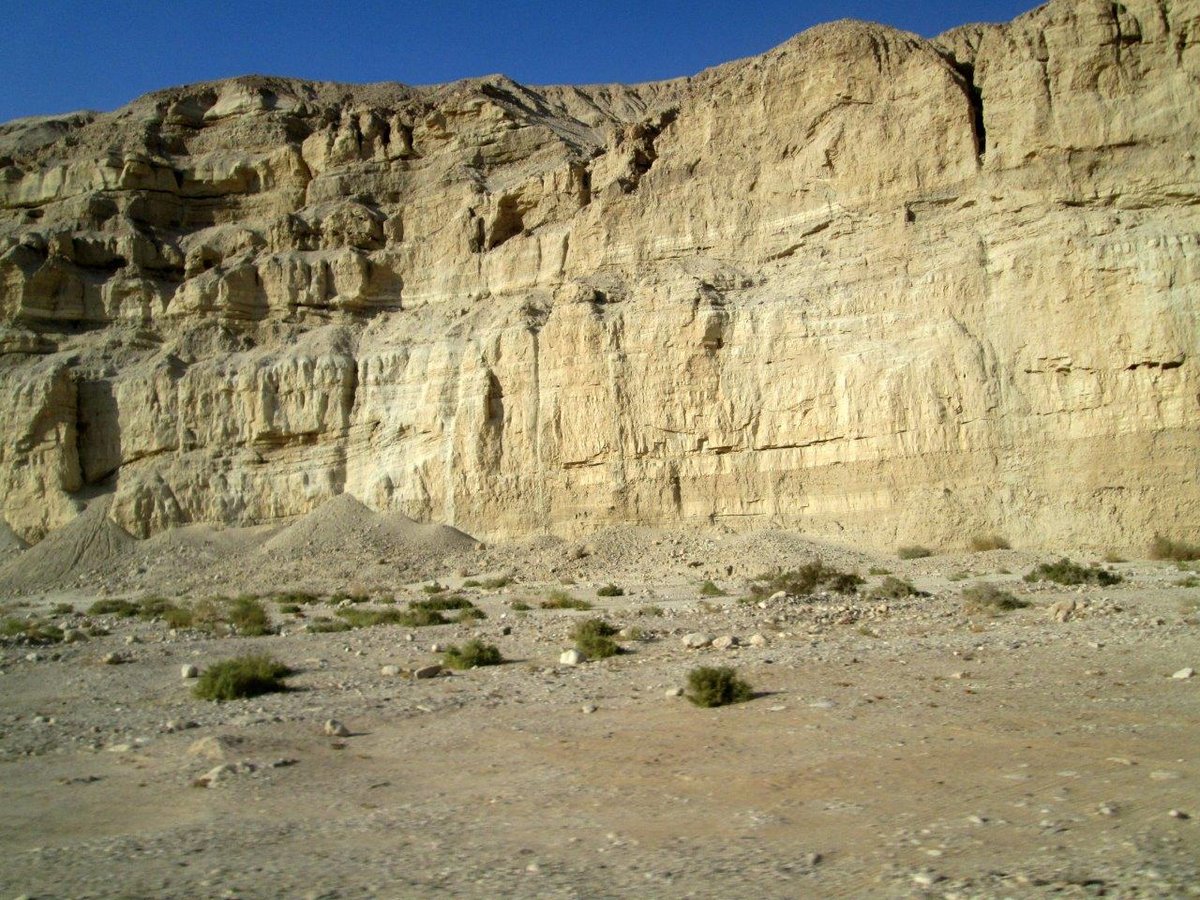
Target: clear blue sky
x,y
62,55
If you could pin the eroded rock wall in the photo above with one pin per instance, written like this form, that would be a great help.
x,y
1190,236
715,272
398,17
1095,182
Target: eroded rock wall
x,y
866,285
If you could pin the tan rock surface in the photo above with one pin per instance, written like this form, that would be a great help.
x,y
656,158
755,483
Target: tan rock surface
x,y
874,287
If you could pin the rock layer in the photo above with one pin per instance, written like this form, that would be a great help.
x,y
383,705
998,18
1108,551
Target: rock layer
x,y
865,285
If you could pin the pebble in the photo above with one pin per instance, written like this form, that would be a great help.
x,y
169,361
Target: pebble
x,y
334,728
1184,674
571,658
588,709
112,659
389,670
697,639
430,671
757,640
437,648
725,642
73,636
189,671
1177,814
675,692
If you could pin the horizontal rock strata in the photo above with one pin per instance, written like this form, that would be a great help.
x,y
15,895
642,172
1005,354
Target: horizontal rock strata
x,y
866,285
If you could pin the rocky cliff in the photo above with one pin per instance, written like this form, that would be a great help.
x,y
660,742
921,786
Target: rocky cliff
x,y
865,285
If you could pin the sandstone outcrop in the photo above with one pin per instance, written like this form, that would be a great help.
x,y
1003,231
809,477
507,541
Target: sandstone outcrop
x,y
865,285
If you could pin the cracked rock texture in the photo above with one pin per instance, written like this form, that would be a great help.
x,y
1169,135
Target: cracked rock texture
x,y
866,285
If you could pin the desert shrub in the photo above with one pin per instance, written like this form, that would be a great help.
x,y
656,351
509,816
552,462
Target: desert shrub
x,y
986,597
610,590
519,606
178,617
1112,556
472,583
982,543
297,598
1066,572
593,638
470,614
1180,551
327,626
1190,582
650,611
805,580
440,604
958,576
494,584
289,609
419,617
560,599
892,588
244,676
875,570
33,631
62,609
249,617
472,654
708,589
913,552
125,609
354,597
369,618
710,686
434,588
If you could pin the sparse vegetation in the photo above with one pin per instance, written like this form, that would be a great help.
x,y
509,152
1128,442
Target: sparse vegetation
x,y
369,618
62,609
249,617
434,588
1179,551
710,686
875,570
805,580
471,655
650,611
1114,557
472,583
124,609
470,614
610,590
1190,582
442,604
982,543
494,584
1066,572
987,598
327,626
289,609
560,599
519,606
420,617
244,676
708,589
914,552
593,638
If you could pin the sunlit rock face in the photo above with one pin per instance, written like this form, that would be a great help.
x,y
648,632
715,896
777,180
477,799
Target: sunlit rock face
x,y
873,287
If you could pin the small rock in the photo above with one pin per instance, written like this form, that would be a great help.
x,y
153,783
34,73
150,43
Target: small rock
x,y
73,636
189,671
113,659
390,671
777,596
1178,814
675,692
132,639
433,670
697,639
725,642
437,648
757,640
571,658
926,879
1063,610
813,860
334,728
1184,674
588,709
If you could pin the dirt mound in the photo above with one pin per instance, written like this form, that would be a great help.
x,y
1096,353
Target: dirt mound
x,y
86,548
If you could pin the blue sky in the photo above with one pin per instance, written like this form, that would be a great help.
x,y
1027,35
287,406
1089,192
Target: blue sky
x,y
61,55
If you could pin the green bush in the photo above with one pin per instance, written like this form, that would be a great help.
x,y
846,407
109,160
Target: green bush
x,y
519,606
327,626
610,590
716,686
33,630
875,570
249,617
434,588
472,654
471,614
299,598
805,580
472,583
986,597
125,609
651,611
419,617
593,638
1179,551
708,589
178,617
369,618
1066,572
494,584
914,552
440,604
560,599
982,543
245,676
892,588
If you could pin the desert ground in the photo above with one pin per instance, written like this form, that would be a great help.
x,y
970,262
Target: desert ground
x,y
896,744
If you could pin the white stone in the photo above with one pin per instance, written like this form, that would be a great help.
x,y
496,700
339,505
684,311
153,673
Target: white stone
x,y
697,640
572,657
334,728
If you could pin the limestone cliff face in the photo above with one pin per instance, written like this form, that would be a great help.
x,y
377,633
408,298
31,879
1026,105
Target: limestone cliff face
x,y
865,285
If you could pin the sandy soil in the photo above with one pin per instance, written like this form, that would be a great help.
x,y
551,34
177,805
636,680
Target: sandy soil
x,y
893,748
